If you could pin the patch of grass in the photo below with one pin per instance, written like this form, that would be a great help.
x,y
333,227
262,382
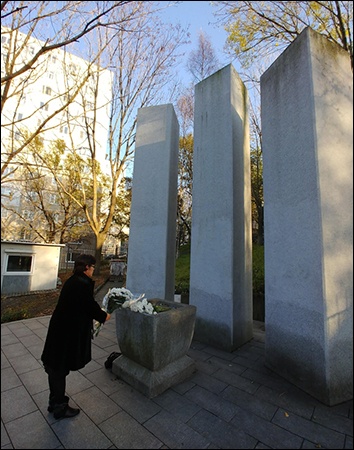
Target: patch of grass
x,y
258,268
183,268
14,314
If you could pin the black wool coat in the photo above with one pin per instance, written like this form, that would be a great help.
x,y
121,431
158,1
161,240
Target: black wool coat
x,y
68,343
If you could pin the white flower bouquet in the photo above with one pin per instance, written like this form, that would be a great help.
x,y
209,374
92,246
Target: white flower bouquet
x,y
123,298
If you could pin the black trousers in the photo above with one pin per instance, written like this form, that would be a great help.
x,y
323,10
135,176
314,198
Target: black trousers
x,y
57,385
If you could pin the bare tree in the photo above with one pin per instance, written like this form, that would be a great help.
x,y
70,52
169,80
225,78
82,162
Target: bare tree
x,y
203,61
140,61
43,211
31,32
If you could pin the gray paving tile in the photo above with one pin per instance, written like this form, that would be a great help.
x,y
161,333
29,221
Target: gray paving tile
x,y
35,381
206,367
223,364
261,446
9,379
197,354
174,433
41,332
135,403
183,387
212,351
32,431
19,329
5,330
8,339
36,351
220,432
213,412
249,402
268,378
212,403
31,339
14,350
80,432
348,442
5,440
179,406
34,324
44,320
98,406
24,363
4,361
249,351
238,381
311,431
343,409
334,422
106,380
98,352
103,342
126,432
266,432
16,403
208,382
92,366
286,400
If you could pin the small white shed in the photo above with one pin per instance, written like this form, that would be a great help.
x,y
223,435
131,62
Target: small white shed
x,y
28,266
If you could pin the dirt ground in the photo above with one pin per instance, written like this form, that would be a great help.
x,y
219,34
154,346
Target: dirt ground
x,y
41,303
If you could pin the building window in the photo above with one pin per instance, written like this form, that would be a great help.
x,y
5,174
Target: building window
x,y
44,106
19,263
52,199
47,90
28,215
4,213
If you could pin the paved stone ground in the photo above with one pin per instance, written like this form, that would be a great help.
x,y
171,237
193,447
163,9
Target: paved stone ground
x,y
231,401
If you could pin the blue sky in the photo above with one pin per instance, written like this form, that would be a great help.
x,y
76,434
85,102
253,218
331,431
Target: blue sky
x,y
198,15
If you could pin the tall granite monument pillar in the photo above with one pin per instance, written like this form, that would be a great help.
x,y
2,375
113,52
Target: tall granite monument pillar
x,y
221,245
307,129
152,236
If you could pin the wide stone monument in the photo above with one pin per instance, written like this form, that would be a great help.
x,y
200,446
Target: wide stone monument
x,y
221,245
307,129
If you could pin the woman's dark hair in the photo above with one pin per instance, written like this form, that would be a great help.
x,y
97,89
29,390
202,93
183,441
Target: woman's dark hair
x,y
82,261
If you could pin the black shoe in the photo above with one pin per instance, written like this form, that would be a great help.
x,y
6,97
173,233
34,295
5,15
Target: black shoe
x,y
51,404
65,411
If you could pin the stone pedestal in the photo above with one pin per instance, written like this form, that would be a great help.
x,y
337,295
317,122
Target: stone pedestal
x,y
154,347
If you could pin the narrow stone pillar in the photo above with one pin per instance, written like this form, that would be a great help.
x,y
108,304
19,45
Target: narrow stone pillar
x,y
307,117
152,236
221,246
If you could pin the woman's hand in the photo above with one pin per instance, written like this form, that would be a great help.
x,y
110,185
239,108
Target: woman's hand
x,y
108,317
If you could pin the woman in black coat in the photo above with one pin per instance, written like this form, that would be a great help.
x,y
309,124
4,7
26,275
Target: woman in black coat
x,y
68,343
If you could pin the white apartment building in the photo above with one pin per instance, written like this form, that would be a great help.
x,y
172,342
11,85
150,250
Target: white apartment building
x,y
38,100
